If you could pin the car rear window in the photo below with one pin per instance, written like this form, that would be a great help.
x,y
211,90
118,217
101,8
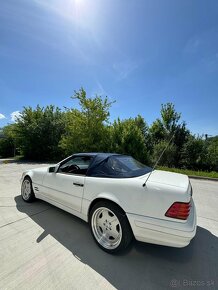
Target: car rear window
x,y
120,166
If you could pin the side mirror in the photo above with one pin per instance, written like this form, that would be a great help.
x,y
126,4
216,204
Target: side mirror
x,y
51,169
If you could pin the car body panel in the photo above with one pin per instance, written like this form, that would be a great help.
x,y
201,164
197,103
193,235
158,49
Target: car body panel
x,y
64,189
145,206
161,232
152,200
169,178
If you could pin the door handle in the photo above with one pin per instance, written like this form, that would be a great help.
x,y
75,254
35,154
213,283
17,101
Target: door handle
x,y
78,184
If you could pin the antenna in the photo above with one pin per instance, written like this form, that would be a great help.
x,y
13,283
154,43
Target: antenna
x,y
159,159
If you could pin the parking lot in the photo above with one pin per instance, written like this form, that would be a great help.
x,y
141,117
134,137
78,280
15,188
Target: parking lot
x,y
43,247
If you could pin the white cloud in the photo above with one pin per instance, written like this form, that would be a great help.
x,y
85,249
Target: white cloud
x,y
124,69
15,115
2,116
99,90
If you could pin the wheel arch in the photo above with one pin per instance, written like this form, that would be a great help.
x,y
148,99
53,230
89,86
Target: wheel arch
x,y
27,174
125,218
110,199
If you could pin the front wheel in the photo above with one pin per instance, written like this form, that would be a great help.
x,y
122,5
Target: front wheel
x,y
27,190
110,227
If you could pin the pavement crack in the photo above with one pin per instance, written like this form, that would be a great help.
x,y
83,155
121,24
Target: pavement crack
x,y
207,218
25,217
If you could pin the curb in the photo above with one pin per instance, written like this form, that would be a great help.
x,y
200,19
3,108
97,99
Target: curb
x,y
6,161
202,178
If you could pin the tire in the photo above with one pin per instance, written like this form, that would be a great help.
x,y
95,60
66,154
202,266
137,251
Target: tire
x,y
27,190
110,227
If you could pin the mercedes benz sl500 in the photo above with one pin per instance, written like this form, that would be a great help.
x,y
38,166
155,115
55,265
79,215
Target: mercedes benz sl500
x,y
119,197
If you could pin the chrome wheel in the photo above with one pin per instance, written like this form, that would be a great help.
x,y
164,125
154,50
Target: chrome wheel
x,y
26,189
106,228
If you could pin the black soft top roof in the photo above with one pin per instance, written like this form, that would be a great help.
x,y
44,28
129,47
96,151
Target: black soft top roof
x,y
99,166
94,154
98,158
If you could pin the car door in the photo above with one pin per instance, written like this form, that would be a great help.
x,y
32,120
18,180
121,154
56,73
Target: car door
x,y
67,184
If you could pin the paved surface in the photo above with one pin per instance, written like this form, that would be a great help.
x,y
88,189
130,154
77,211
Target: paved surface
x,y
43,247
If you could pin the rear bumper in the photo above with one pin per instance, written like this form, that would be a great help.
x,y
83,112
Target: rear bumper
x,y
164,232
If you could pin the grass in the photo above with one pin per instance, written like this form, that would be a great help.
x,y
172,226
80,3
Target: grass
x,y
212,174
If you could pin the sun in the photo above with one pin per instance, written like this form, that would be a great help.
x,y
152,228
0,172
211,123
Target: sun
x,y
79,2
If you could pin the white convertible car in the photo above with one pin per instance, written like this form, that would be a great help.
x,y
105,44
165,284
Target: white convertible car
x,y
119,197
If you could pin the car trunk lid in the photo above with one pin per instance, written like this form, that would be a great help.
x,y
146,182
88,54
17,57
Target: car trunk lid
x,y
168,178
170,190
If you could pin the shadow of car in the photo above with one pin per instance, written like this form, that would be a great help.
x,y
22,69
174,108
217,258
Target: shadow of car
x,y
141,266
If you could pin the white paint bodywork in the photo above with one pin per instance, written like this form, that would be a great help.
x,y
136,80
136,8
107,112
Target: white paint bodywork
x,y
145,207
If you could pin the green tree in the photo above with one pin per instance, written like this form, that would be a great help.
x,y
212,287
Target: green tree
x,y
169,153
38,132
129,137
194,153
212,153
166,127
7,141
86,129
49,134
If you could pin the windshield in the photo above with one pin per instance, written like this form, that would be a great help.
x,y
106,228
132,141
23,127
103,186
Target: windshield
x,y
119,166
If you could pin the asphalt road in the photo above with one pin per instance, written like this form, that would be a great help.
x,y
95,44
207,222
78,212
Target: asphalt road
x,y
43,247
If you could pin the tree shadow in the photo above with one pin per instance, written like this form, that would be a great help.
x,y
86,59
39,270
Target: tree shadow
x,y
142,266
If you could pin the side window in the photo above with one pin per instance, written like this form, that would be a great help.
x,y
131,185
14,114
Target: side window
x,y
76,165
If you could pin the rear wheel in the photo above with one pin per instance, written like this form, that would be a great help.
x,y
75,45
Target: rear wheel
x,y
27,190
110,227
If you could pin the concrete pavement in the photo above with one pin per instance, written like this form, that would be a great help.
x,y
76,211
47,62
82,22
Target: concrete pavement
x,y
43,247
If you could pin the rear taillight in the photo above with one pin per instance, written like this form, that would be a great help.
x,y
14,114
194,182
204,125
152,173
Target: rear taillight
x,y
179,210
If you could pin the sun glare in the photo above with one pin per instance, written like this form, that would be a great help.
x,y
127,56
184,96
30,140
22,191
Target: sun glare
x,y
79,2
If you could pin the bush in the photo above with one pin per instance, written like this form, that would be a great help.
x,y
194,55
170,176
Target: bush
x,y
39,131
7,141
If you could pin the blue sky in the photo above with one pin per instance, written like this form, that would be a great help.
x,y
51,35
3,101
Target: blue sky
x,y
140,53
